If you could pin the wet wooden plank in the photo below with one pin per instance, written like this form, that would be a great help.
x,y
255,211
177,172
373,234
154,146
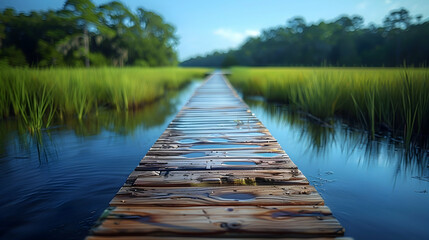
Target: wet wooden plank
x,y
213,139
189,142
231,221
218,128
267,212
226,177
269,153
244,135
217,196
213,164
216,172
220,131
231,146
217,119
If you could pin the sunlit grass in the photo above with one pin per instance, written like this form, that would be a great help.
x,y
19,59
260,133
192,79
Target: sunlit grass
x,y
39,95
396,99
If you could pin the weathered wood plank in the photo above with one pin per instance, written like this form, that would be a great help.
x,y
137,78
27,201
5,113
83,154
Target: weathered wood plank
x,y
210,153
226,177
243,135
268,212
306,221
213,164
231,146
183,141
218,119
217,196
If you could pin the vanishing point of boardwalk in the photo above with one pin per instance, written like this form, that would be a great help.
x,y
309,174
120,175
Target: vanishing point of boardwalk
x,y
216,172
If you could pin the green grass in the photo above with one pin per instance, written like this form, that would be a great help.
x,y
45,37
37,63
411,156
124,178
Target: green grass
x,y
378,98
39,96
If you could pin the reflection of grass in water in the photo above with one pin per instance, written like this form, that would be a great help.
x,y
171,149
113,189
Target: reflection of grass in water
x,y
125,122
40,140
319,138
318,133
394,99
38,95
122,123
44,151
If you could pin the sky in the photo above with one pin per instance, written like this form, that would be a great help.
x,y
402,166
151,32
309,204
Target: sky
x,y
205,26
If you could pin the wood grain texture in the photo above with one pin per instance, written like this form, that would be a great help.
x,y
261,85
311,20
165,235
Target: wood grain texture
x,y
230,221
214,164
218,196
225,177
216,172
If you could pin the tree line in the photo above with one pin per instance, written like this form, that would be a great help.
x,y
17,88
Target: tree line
x,y
83,34
345,41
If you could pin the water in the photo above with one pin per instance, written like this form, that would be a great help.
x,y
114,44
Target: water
x,y
375,188
188,140
194,155
55,185
237,196
82,165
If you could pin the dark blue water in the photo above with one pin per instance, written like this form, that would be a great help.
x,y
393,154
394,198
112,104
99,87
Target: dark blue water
x,y
82,165
56,184
375,188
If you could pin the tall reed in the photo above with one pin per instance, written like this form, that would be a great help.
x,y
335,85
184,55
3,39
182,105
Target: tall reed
x,y
378,98
38,95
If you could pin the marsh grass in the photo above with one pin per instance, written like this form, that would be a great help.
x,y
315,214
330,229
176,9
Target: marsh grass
x,y
378,99
38,96
37,109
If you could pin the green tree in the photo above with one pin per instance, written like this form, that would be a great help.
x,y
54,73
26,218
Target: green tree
x,y
86,14
341,42
397,19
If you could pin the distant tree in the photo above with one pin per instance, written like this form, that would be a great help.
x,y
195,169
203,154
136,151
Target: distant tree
x,y
419,18
342,42
229,61
83,34
350,24
87,16
397,19
124,25
14,56
2,34
159,39
357,22
296,24
345,22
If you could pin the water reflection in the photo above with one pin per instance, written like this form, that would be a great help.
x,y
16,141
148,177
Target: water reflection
x,y
121,123
318,137
125,123
74,168
376,188
16,132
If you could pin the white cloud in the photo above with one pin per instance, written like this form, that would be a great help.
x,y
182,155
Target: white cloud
x,y
393,5
252,33
388,1
362,5
235,37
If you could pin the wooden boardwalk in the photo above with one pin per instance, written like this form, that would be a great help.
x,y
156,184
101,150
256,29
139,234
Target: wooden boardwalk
x,y
216,172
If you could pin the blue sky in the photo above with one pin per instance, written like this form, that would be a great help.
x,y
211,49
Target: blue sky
x,y
204,26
